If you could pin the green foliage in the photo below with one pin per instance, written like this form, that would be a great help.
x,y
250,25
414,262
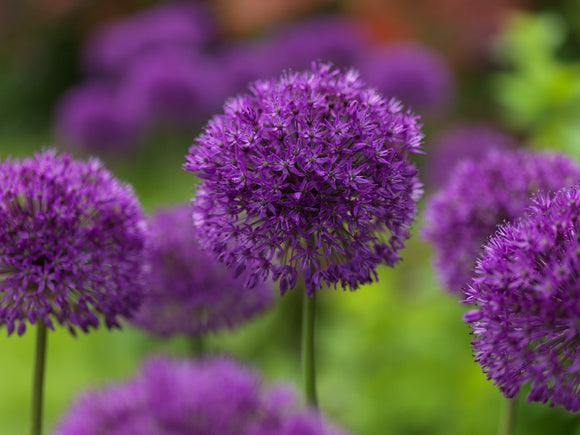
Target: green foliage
x,y
539,93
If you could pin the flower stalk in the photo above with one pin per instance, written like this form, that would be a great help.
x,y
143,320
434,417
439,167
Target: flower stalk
x,y
308,359
38,378
508,416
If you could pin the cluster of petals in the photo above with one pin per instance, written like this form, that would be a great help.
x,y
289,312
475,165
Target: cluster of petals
x,y
308,175
187,291
72,244
526,321
478,196
173,397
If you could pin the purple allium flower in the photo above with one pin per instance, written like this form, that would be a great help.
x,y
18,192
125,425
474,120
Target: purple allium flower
x,y
211,396
71,244
307,175
183,25
93,118
188,292
460,142
173,87
527,323
295,45
412,73
480,195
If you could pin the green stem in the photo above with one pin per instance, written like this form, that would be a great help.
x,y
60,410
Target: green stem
x,y
38,383
508,416
197,346
308,366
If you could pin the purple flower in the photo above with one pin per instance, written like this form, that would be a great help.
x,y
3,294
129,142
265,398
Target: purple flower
x,y
93,118
71,244
211,396
182,25
481,194
526,290
330,38
188,292
460,142
307,175
173,87
412,73
295,45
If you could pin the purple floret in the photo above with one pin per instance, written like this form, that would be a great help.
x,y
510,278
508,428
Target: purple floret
x,y
186,397
416,75
92,117
188,292
71,244
178,25
480,195
527,293
309,175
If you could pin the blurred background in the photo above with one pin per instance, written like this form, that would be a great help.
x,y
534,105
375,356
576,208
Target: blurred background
x,y
134,81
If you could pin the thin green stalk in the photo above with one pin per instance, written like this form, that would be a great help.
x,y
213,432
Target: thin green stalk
x,y
508,416
308,366
197,346
38,379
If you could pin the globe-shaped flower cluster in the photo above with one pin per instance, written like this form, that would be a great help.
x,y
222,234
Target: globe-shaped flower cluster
x,y
479,195
526,324
308,175
188,292
212,396
72,242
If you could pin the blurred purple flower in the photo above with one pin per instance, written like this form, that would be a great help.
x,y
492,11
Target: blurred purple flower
x,y
179,25
481,194
460,142
211,396
247,61
526,324
329,38
303,176
173,87
295,46
416,75
93,118
71,244
188,292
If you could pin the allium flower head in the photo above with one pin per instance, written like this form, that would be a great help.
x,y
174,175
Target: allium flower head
x,y
480,195
212,396
173,87
307,175
93,118
114,47
189,293
414,74
71,243
526,324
